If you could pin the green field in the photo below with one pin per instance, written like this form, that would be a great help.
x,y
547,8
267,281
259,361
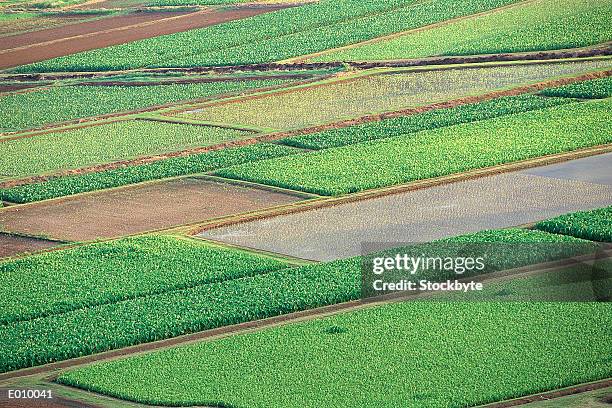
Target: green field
x,y
537,25
108,272
393,90
433,119
415,359
272,36
438,152
63,103
105,143
171,167
595,89
172,313
595,225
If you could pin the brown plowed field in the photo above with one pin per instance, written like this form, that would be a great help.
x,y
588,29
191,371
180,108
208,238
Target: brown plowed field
x,y
14,245
138,209
132,28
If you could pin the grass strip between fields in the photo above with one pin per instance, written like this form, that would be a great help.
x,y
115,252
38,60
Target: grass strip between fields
x,y
109,326
433,119
409,354
438,152
172,167
595,225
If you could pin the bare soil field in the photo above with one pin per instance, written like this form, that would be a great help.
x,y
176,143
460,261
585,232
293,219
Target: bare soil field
x,y
13,245
130,30
137,209
497,201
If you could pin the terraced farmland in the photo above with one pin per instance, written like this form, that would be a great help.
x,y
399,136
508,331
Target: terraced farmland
x,y
243,369
82,101
535,25
436,153
238,203
380,92
99,144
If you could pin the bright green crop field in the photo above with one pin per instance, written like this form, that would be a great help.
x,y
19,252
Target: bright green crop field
x,y
438,152
108,272
433,119
105,143
272,36
224,300
536,25
595,89
63,103
171,167
426,354
595,225
381,92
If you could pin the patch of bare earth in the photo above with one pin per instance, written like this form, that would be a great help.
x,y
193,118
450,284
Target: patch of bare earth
x,y
137,209
11,245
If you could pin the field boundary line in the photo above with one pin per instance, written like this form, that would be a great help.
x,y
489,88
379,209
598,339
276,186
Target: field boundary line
x,y
270,137
325,202
258,186
274,321
304,58
602,49
179,120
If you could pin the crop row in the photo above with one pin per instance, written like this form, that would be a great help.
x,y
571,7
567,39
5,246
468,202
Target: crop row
x,y
533,26
176,166
105,143
594,89
107,272
415,350
433,119
438,152
114,325
375,92
63,103
272,36
595,225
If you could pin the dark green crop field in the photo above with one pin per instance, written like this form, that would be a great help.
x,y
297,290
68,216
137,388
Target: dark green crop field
x,y
207,300
595,225
417,356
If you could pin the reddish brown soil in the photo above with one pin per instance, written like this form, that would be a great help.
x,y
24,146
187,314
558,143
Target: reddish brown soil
x,y
16,87
14,245
88,27
131,30
138,209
